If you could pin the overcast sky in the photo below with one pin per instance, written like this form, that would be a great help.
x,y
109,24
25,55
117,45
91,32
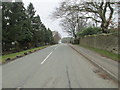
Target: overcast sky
x,y
45,8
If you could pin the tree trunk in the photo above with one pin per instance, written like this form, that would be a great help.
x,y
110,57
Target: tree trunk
x,y
104,26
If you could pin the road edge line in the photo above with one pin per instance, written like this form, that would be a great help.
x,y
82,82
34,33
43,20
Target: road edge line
x,y
101,67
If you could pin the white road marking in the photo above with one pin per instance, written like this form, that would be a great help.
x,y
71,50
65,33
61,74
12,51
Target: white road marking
x,y
106,70
109,72
18,88
55,48
48,55
46,58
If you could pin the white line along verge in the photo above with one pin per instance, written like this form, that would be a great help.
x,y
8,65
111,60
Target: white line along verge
x,y
48,56
106,70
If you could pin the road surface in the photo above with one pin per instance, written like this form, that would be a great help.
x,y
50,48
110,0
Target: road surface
x,y
57,66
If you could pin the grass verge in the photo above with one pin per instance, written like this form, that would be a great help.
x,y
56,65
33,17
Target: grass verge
x,y
104,53
13,55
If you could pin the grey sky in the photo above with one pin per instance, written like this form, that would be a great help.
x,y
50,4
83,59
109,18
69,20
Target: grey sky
x,y
44,8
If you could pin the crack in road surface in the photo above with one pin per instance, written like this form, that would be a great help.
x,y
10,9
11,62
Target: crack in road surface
x,y
68,77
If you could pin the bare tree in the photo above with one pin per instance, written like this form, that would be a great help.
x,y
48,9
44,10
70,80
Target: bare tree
x,y
103,10
70,19
69,26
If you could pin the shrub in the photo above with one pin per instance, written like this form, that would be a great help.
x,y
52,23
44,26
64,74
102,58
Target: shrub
x,y
90,31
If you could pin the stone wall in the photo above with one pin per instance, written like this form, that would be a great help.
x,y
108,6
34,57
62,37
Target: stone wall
x,y
107,42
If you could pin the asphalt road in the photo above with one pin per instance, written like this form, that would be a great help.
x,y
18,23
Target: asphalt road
x,y
57,66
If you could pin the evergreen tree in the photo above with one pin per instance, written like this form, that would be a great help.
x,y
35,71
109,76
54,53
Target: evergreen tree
x,y
16,26
50,36
20,25
43,28
21,28
31,11
31,14
37,30
6,11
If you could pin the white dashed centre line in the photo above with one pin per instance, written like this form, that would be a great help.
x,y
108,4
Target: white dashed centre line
x,y
48,56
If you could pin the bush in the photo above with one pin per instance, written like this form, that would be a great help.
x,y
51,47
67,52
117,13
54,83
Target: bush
x,y
90,31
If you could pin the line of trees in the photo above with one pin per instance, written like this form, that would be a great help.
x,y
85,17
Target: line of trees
x,y
22,28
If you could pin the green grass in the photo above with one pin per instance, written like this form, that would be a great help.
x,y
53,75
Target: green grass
x,y
13,55
104,53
